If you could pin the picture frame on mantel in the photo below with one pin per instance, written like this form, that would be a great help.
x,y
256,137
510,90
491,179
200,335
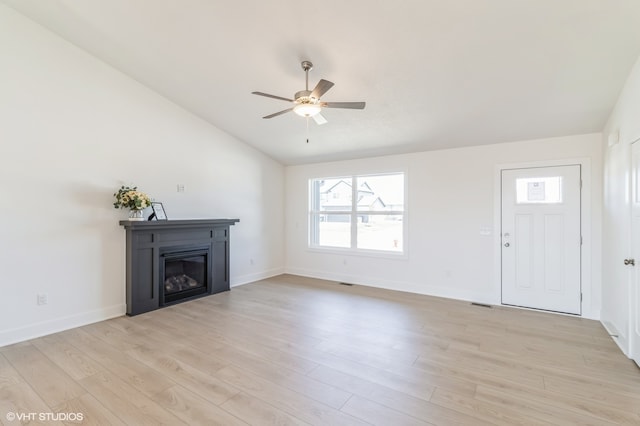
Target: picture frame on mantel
x,y
158,211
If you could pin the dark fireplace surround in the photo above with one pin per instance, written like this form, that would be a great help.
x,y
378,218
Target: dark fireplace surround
x,y
172,261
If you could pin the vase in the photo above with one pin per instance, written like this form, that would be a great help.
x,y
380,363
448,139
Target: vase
x,y
136,215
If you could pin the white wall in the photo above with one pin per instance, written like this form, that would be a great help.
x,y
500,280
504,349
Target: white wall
x,y
72,130
624,121
451,195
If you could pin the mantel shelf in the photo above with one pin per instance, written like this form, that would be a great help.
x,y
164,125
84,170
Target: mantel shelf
x,y
179,223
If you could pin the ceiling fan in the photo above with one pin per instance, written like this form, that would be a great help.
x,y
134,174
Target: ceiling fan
x,y
307,102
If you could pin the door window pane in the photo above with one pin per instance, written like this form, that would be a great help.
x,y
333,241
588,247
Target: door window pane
x,y
546,190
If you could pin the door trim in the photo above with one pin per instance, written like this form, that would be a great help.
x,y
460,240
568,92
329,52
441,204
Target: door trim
x,y
590,251
633,280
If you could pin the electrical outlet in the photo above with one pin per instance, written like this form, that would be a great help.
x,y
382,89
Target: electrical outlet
x,y
43,299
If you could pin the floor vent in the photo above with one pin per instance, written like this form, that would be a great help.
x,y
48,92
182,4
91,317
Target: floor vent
x,y
349,284
481,305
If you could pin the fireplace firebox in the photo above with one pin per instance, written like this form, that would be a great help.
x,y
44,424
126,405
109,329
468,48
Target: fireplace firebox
x,y
184,274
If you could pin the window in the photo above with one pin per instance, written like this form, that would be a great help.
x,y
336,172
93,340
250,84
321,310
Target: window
x,y
542,190
361,213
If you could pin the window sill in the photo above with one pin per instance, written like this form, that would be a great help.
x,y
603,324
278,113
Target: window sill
x,y
391,255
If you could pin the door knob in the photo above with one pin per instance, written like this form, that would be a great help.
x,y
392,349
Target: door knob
x,y
507,245
631,262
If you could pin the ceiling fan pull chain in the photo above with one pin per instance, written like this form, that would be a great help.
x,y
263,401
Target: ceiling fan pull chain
x,y
307,129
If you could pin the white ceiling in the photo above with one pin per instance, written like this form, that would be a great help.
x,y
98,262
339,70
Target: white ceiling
x,y
434,73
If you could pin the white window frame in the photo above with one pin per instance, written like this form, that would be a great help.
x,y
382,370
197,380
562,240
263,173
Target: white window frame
x,y
353,213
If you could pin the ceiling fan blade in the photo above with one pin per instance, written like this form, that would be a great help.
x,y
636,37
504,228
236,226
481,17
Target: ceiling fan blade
x,y
319,119
349,105
275,114
271,96
321,88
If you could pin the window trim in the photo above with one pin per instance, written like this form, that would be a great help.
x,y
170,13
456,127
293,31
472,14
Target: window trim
x,y
353,215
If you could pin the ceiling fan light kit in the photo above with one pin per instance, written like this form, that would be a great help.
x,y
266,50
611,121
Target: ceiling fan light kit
x,y
307,110
307,102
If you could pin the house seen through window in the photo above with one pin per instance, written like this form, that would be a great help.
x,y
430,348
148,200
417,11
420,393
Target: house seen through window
x,y
363,212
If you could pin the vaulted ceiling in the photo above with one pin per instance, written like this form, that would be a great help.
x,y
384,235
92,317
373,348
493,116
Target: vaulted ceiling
x,y
434,73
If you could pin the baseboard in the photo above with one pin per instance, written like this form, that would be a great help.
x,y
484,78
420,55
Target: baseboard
x,y
32,331
592,315
249,278
411,287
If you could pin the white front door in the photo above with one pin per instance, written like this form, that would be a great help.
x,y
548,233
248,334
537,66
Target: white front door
x,y
541,238
634,293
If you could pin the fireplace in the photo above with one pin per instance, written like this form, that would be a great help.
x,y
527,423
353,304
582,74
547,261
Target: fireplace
x,y
183,273
170,261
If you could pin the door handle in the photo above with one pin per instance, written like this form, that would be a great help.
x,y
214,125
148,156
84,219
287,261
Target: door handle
x,y
507,245
631,262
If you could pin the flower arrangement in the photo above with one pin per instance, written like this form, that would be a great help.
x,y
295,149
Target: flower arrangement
x,y
131,198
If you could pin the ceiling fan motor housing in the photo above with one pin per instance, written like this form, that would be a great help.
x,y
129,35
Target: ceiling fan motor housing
x,y
304,97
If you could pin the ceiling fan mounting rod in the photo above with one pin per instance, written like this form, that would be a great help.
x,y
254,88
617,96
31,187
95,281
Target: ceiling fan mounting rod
x,y
306,66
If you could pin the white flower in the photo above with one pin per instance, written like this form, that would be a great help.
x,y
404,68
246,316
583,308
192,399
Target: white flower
x,y
131,198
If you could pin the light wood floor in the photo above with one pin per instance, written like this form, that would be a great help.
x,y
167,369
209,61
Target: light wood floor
x,y
291,350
